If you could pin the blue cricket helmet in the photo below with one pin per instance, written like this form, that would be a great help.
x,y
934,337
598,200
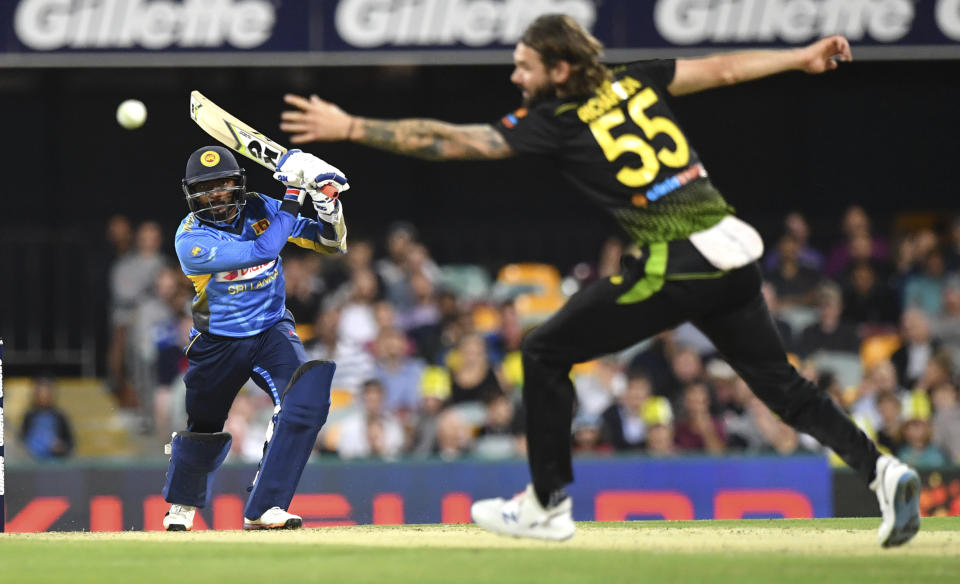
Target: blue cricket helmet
x,y
206,167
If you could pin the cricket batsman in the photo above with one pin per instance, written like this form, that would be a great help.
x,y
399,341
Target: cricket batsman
x,y
611,132
229,246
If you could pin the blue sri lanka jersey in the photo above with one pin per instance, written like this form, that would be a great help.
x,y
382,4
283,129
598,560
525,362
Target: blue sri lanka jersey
x,y
237,271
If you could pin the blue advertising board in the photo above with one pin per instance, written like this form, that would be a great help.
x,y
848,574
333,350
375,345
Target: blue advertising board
x,y
114,498
343,32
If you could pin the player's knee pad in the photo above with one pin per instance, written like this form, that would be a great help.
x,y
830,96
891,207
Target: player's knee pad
x,y
194,459
303,411
306,399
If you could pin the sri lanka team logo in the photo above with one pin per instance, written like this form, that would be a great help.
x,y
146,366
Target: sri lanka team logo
x,y
209,158
261,226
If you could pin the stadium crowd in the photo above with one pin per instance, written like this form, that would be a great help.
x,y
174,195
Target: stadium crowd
x,y
428,355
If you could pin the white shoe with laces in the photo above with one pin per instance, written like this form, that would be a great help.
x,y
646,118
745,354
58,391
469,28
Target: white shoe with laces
x,y
523,516
274,518
898,491
179,518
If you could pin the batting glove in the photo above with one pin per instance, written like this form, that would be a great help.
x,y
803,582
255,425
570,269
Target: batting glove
x,y
306,171
327,209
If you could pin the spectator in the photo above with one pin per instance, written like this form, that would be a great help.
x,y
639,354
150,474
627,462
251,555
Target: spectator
x,y
45,430
867,299
155,329
354,364
952,254
697,430
401,237
473,376
358,327
421,320
796,283
371,432
302,299
587,436
917,449
939,370
507,338
501,435
880,379
889,434
946,325
795,225
946,420
855,222
829,333
453,435
132,279
434,391
597,386
916,348
924,290
686,367
399,373
660,439
623,427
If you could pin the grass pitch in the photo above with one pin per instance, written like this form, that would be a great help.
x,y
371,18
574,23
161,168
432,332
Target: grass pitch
x,y
816,551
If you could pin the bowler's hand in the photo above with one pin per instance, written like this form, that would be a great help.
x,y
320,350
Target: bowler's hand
x,y
315,120
825,54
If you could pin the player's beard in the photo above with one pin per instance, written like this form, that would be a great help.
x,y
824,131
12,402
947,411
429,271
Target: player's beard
x,y
540,94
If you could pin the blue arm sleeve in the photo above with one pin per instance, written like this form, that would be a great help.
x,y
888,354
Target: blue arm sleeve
x,y
202,253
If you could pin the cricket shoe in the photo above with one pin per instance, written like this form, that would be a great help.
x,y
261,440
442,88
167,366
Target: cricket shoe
x,y
898,491
523,516
274,518
179,518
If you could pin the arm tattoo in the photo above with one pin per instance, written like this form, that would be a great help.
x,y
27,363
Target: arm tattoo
x,y
434,140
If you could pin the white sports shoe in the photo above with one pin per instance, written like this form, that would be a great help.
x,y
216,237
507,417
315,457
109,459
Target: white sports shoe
x,y
523,516
898,491
274,518
179,518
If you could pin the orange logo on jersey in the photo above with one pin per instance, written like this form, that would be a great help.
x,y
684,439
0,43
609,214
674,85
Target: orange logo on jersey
x,y
510,120
209,158
260,226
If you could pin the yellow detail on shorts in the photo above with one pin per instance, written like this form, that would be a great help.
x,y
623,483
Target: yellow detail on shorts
x,y
210,158
616,280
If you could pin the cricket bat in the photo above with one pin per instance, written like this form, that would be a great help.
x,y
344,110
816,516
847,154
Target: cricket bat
x,y
239,136
234,133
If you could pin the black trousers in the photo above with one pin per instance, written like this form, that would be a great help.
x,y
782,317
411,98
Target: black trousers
x,y
672,284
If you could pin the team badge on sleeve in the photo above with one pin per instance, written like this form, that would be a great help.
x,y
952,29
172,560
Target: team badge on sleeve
x,y
197,250
510,120
261,226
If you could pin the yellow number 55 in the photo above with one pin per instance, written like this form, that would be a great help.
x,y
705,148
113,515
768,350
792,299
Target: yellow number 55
x,y
650,160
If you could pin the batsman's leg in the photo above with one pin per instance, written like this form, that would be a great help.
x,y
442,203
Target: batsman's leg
x,y
194,459
302,412
216,371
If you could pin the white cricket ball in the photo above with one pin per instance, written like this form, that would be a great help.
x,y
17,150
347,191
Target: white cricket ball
x,y
131,114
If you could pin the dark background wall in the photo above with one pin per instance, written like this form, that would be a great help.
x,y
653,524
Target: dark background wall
x,y
880,134
874,133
